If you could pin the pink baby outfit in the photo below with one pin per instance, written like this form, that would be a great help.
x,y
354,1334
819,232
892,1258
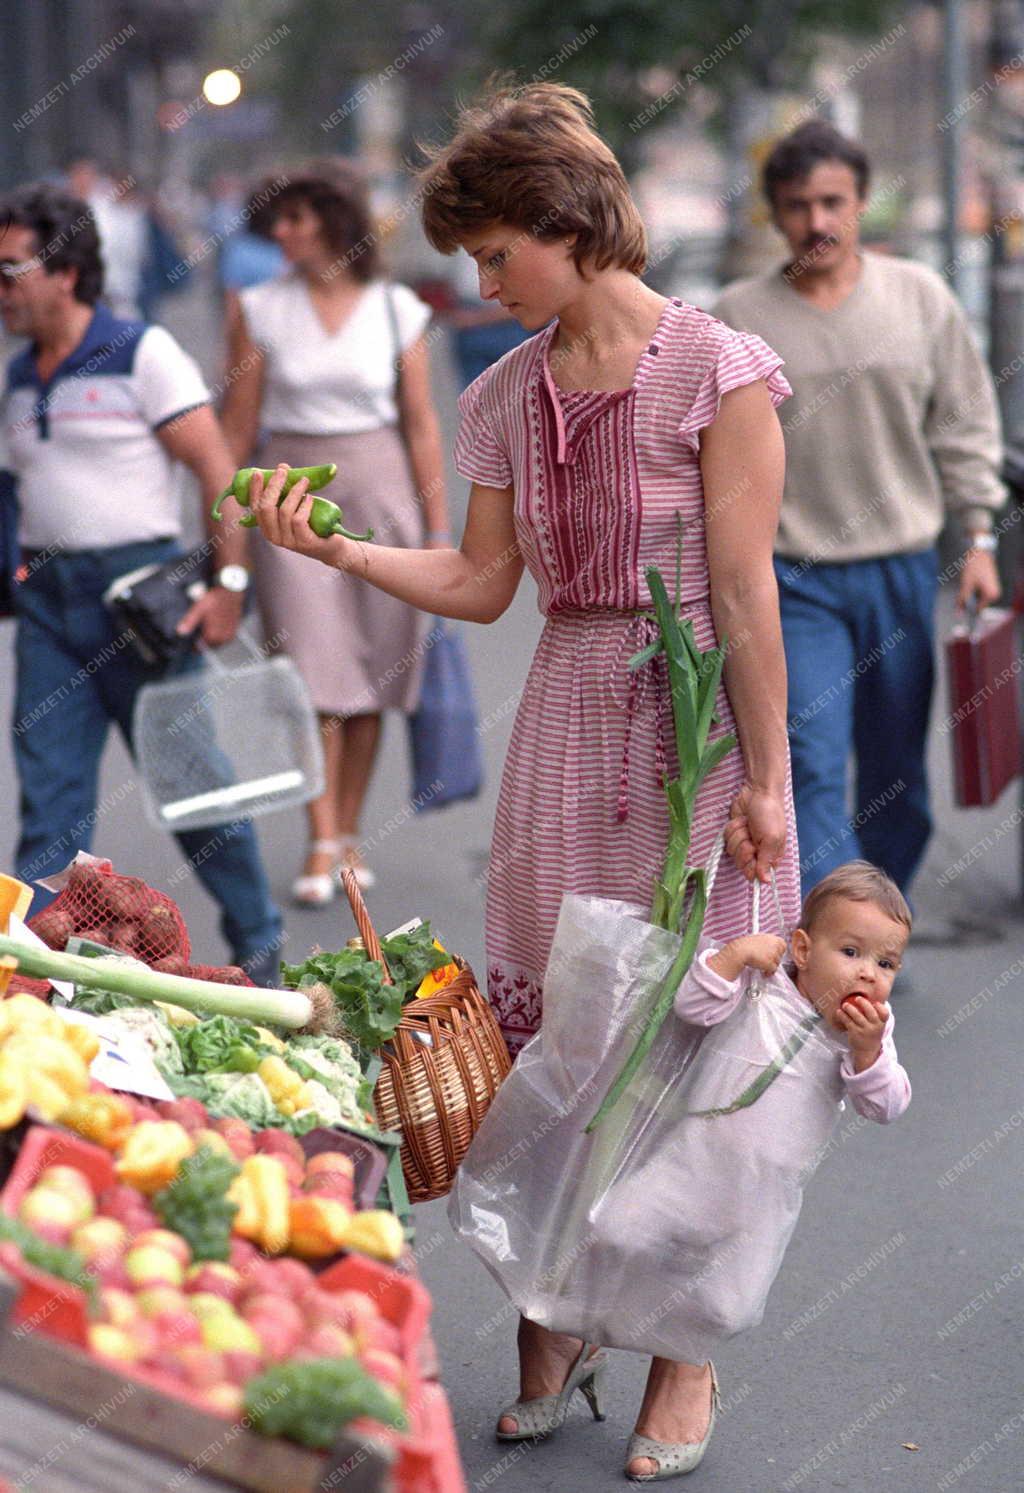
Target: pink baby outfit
x,y
712,1193
601,481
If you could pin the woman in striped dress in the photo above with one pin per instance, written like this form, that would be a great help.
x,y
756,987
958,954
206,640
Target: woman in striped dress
x,y
587,446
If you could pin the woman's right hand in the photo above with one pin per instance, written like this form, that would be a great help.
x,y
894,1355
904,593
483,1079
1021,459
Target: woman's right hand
x,y
286,524
755,835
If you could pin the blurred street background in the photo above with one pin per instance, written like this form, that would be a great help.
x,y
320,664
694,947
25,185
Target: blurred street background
x,y
889,1252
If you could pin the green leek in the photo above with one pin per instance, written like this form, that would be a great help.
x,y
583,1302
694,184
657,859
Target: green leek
x,y
287,1008
693,682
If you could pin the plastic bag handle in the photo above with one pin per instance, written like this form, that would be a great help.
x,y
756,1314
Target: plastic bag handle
x,y
214,664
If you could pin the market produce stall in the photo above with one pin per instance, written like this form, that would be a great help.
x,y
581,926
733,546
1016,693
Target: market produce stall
x,y
204,1231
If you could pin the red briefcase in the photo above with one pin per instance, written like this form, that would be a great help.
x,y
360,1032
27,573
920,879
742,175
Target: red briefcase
x,y
982,665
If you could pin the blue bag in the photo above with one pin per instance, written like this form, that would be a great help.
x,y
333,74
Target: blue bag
x,y
447,764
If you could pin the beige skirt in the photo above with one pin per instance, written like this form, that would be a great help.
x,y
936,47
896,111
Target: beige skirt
x,y
359,650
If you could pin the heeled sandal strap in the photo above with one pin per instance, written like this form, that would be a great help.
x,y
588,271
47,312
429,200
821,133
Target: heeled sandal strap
x,y
327,847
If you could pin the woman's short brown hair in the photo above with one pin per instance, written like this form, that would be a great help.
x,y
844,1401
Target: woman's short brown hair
x,y
859,881
339,194
530,156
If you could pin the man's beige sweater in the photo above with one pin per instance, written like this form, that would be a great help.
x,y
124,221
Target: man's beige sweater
x,y
893,420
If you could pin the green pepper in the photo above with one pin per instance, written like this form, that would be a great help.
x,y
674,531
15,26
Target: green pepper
x,y
238,487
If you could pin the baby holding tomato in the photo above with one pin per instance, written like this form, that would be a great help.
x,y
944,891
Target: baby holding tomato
x,y
714,1188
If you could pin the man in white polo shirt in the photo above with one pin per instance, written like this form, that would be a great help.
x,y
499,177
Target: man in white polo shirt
x,y
95,413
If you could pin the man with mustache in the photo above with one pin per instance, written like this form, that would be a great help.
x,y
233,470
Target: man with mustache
x,y
894,426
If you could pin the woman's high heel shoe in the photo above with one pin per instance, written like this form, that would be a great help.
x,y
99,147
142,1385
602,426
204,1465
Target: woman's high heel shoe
x,y
319,888
539,1418
673,1458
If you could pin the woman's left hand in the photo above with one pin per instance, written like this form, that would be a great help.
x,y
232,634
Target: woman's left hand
x,y
286,524
755,835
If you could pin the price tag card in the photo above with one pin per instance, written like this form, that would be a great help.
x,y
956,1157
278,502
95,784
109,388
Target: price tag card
x,y
124,1060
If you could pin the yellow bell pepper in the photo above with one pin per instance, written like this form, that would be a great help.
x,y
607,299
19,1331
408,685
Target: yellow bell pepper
x,y
437,979
38,1052
84,1041
177,1015
27,1011
269,1039
260,1192
152,1153
284,1085
104,1119
13,1091
46,1094
375,1232
317,1227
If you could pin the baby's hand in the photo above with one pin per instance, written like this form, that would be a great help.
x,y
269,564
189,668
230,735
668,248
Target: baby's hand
x,y
763,951
864,1022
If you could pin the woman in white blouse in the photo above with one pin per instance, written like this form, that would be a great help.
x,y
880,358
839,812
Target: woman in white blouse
x,y
329,362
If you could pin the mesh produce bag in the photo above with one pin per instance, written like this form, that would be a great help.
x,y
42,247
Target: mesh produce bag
x,y
119,911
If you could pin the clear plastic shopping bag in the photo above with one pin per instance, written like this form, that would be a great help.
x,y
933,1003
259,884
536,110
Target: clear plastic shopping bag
x,y
663,1230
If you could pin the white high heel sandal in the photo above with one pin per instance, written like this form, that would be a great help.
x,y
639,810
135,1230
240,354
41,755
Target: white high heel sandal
x,y
365,878
319,888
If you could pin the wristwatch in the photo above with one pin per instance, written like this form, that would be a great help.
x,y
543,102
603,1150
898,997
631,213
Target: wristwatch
x,y
984,540
232,578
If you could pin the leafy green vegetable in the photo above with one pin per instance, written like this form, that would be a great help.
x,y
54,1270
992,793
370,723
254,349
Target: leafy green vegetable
x,y
412,955
66,1264
195,1205
101,1002
310,1402
221,1044
370,1009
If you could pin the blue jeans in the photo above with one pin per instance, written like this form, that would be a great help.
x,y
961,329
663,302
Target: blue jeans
x,y
76,673
859,641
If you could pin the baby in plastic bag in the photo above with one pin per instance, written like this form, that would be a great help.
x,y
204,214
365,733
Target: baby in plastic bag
x,y
713,1204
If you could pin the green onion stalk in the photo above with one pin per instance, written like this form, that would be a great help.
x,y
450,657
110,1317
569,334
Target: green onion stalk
x,y
285,1008
694,677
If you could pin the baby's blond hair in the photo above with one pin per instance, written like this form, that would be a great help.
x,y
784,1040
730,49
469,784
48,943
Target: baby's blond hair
x,y
860,881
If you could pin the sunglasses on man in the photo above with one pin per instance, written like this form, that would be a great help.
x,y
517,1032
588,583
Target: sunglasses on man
x,y
13,270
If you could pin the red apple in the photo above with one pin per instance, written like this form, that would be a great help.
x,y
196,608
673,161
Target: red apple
x,y
189,1113
52,1215
348,1309
214,1278
330,1161
204,1304
277,1338
240,1366
241,1254
273,1304
167,1362
385,1367
112,1273
112,1342
224,1399
295,1277
165,1239
238,1136
329,1341
176,1329
117,1307
123,1202
100,1239
280,1143
228,1333
378,1332
202,1366
259,1275
331,1185
214,1140
154,1299
69,1180
150,1266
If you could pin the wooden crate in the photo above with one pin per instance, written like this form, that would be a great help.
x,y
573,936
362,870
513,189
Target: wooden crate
x,y
68,1424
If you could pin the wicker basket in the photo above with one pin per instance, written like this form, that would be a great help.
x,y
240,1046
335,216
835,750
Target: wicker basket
x,y
440,1071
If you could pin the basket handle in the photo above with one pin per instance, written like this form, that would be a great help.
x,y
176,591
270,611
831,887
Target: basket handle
x,y
367,932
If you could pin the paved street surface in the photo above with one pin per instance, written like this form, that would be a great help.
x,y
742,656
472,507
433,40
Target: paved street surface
x,y
889,1357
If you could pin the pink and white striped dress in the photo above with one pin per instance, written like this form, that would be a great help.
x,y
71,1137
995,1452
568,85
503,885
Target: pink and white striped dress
x,y
599,480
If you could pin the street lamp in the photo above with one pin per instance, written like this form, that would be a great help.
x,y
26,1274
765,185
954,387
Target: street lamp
x,y
221,87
